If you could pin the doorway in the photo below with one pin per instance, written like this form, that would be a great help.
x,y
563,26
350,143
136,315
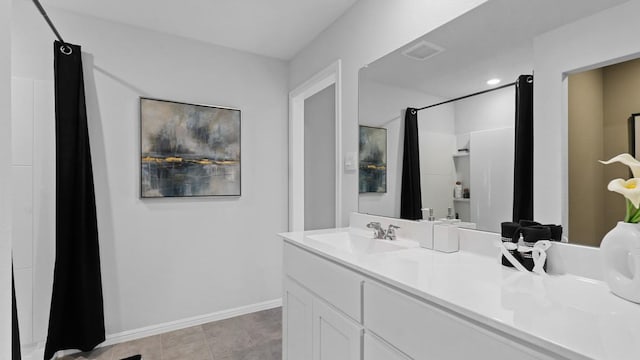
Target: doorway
x,y
319,160
330,78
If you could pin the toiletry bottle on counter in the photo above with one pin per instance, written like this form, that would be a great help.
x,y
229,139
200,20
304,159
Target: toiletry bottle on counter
x,y
426,240
450,219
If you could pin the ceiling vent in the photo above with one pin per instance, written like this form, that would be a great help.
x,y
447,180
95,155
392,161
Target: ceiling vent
x,y
422,51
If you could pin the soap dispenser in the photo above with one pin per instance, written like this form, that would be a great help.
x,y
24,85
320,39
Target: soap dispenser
x,y
445,237
426,240
445,234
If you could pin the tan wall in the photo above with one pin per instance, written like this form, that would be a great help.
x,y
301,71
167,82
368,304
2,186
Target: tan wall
x,y
586,175
621,99
600,103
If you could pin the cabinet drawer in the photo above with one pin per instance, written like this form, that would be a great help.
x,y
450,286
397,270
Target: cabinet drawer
x,y
338,285
423,331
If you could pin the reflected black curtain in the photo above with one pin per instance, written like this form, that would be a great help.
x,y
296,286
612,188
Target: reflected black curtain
x,y
76,320
523,159
411,196
15,332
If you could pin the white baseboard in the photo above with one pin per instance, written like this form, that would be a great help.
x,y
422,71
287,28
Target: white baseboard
x,y
37,352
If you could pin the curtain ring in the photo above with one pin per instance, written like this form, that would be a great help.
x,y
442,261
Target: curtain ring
x,y
413,111
530,79
66,49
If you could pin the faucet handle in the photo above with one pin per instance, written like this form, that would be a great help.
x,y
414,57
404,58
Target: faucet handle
x,y
374,225
391,232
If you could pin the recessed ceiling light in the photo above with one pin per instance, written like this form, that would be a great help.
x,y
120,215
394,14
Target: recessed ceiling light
x,y
493,82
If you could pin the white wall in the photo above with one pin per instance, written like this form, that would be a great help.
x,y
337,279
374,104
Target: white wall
x,y
320,159
604,38
494,110
369,30
31,172
383,106
5,179
162,259
437,170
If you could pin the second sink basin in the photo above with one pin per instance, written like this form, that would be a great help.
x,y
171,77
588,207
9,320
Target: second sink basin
x,y
355,244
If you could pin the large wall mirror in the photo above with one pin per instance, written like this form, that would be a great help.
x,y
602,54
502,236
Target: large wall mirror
x,y
469,141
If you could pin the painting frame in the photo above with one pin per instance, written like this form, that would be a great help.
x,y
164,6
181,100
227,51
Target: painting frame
x,y
633,126
214,163
372,172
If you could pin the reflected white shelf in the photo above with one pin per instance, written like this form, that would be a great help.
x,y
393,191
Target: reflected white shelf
x,y
462,200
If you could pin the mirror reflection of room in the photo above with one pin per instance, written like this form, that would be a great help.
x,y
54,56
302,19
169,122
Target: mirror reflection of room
x,y
601,103
466,152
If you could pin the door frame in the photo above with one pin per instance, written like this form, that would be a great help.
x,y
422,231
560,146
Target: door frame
x,y
331,75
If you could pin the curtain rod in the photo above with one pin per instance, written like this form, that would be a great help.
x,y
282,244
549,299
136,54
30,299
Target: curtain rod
x,y
465,96
46,17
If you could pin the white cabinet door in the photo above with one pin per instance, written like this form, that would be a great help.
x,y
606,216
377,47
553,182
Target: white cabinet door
x,y
375,349
335,337
297,321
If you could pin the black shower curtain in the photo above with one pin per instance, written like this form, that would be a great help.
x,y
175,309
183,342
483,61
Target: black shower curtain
x,y
411,195
523,159
76,320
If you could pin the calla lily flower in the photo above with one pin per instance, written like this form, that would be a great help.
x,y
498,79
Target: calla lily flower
x,y
630,189
628,160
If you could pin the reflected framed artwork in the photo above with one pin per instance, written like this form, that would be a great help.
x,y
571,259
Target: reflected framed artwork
x,y
188,150
634,135
373,160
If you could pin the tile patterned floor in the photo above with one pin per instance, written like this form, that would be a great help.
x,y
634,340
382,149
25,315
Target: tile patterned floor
x,y
256,336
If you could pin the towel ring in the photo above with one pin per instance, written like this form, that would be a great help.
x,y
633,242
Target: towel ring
x,y
66,49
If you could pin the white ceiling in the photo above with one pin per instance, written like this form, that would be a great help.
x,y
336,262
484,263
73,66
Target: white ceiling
x,y
275,28
494,40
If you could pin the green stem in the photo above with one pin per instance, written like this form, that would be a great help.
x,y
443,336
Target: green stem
x,y
633,213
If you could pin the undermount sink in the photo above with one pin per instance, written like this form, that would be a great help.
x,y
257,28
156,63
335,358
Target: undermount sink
x,y
355,244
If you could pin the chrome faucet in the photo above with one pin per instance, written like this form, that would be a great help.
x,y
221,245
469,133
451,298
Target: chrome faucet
x,y
391,232
378,231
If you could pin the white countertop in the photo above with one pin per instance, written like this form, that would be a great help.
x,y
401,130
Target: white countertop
x,y
572,316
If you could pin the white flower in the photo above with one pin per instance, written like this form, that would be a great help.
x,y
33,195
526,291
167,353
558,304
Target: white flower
x,y
630,189
628,160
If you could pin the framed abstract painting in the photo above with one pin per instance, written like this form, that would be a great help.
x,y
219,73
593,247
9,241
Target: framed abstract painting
x,y
188,150
373,160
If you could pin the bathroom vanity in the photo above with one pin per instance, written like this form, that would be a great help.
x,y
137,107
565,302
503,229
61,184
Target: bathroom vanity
x,y
347,296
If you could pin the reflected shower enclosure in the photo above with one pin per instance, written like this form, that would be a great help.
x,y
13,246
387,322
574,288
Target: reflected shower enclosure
x,y
373,160
188,150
